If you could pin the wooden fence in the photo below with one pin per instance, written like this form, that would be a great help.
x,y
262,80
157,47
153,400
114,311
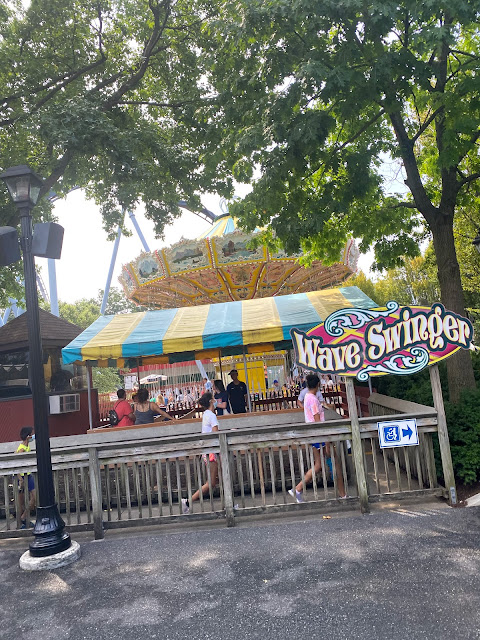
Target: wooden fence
x,y
269,401
106,485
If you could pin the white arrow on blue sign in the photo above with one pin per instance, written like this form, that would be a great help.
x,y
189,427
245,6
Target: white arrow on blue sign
x,y
397,433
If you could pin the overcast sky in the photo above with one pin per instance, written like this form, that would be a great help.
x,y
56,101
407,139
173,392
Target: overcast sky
x,y
83,267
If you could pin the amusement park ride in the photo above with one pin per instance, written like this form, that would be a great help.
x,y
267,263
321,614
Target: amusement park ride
x,y
218,266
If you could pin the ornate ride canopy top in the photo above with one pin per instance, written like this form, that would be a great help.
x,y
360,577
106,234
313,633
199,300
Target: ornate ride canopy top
x,y
220,267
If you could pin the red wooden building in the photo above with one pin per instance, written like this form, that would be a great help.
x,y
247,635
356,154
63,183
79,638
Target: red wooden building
x,y
66,386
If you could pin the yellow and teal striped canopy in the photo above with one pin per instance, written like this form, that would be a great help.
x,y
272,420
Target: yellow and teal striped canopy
x,y
189,333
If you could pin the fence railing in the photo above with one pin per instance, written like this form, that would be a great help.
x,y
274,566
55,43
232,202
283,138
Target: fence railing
x,y
268,401
128,483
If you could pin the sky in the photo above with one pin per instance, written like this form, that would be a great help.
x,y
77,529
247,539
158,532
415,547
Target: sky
x,y
83,267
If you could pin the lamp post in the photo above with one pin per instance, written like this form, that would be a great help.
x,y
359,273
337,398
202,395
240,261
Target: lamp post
x,y
49,534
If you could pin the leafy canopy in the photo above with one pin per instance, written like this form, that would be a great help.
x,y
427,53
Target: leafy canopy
x,y
316,95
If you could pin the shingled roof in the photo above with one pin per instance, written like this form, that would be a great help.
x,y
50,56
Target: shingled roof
x,y
55,332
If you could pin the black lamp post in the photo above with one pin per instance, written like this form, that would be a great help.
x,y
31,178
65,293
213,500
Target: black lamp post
x,y
49,534
476,241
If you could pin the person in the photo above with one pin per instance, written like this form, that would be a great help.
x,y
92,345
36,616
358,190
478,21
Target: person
x,y
237,393
303,393
330,383
146,411
26,436
188,397
180,396
221,396
314,413
276,386
123,409
207,384
61,381
209,424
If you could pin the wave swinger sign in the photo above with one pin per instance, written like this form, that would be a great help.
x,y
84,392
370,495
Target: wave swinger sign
x,y
376,342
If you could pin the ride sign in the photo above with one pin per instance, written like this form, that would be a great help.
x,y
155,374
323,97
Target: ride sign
x,y
376,342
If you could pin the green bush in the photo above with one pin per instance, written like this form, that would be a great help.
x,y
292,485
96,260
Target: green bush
x,y
463,418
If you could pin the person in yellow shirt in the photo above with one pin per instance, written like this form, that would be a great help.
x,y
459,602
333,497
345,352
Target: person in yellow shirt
x,y
26,436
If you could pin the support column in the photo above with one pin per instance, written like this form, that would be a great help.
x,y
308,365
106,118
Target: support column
x,y
89,395
443,439
226,480
357,451
246,380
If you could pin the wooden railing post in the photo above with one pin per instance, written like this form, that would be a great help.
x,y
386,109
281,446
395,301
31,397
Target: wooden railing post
x,y
96,492
357,451
443,439
227,480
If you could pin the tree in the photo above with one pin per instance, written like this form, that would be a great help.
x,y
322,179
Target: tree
x,y
82,312
105,94
117,302
106,380
414,283
316,96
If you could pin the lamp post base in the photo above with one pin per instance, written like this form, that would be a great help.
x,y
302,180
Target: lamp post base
x,y
30,563
50,535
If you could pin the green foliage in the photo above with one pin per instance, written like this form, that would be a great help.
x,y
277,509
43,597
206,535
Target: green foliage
x,y
326,94
414,283
317,96
110,96
463,418
82,312
117,302
463,421
85,311
106,380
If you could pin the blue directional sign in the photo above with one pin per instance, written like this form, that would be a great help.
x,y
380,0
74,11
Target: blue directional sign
x,y
397,433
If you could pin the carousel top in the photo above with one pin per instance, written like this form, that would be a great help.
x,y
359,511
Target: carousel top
x,y
219,266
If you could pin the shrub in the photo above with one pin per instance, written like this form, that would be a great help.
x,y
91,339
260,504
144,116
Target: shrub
x,y
463,418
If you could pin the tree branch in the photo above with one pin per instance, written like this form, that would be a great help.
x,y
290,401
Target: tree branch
x,y
57,173
148,51
414,180
468,179
426,123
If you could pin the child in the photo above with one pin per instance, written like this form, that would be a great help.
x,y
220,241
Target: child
x,y
314,413
26,436
209,424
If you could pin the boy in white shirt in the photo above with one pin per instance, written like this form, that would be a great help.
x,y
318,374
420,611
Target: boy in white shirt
x,y
209,424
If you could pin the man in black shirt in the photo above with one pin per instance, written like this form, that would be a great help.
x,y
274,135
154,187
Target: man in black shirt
x,y
237,393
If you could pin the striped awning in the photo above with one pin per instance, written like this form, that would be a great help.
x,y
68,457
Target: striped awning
x,y
193,333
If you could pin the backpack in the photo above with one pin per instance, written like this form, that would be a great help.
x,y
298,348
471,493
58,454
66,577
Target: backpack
x,y
113,417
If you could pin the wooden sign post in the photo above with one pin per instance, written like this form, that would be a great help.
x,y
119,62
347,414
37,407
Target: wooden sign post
x,y
360,471
443,439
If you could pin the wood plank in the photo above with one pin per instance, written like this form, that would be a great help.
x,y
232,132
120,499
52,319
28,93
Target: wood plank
x,y
96,493
443,440
227,481
357,451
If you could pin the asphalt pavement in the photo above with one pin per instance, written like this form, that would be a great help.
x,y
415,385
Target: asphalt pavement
x,y
406,573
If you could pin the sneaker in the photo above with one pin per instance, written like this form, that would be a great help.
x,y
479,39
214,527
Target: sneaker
x,y
185,507
297,495
344,497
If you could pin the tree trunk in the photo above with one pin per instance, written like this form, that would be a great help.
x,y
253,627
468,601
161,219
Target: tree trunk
x,y
459,366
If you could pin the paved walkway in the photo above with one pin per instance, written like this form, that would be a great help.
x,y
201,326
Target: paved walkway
x,y
407,572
